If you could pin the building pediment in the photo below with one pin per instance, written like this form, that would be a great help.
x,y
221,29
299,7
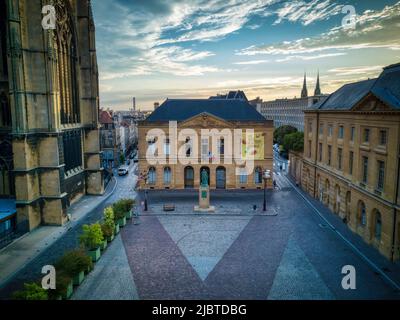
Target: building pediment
x,y
205,120
371,103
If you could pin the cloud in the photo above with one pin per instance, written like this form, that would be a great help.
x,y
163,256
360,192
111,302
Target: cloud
x,y
307,12
252,62
361,70
314,57
374,29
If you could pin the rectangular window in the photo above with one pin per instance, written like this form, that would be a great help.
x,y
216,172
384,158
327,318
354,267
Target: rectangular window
x,y
221,146
366,135
310,127
351,160
72,141
321,129
365,170
352,133
341,132
309,148
330,131
243,177
167,148
381,175
383,137
340,158
329,155
320,152
204,149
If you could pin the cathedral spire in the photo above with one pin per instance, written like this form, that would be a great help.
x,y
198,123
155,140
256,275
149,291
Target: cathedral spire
x,y
317,91
304,92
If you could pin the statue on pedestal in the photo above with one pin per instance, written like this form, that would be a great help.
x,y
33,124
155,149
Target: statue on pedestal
x,y
204,178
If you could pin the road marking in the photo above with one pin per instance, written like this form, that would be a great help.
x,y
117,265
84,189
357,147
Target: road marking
x,y
348,242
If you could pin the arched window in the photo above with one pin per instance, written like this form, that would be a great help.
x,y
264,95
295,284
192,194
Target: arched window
x,y
152,177
258,175
378,225
167,175
65,47
362,214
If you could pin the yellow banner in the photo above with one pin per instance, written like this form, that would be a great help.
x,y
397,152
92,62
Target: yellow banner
x,y
258,150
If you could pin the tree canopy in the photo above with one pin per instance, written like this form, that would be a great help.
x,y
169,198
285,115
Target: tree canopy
x,y
281,132
294,141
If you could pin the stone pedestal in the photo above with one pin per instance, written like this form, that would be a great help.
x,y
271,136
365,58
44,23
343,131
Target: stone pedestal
x,y
204,200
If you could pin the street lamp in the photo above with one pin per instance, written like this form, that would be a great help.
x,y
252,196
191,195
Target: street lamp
x,y
266,177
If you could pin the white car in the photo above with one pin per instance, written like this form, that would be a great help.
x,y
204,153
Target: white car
x,y
123,171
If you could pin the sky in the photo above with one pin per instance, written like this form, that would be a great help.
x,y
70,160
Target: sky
x,y
153,50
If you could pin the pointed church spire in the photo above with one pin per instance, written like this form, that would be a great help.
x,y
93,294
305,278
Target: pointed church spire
x,y
304,92
317,91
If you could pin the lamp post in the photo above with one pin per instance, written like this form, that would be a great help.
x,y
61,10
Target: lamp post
x,y
266,177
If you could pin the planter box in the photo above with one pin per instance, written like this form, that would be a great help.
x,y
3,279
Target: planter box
x,y
129,215
68,293
122,222
116,229
103,245
89,270
78,279
109,239
95,254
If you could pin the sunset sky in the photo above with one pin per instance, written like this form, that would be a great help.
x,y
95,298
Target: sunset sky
x,y
153,50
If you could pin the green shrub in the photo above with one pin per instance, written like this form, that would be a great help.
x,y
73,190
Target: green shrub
x,y
107,229
128,204
73,262
31,291
62,282
119,209
108,214
92,236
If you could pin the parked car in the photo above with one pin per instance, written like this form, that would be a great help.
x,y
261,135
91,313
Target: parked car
x,y
128,162
136,160
123,171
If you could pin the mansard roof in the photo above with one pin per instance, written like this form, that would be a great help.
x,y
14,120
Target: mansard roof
x,y
386,88
226,109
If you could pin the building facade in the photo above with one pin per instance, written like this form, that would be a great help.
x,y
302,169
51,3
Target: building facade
x,y
192,152
110,141
49,135
351,158
291,111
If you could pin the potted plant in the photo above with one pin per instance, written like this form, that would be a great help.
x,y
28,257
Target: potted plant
x,y
91,239
74,264
64,287
119,213
31,291
128,207
108,226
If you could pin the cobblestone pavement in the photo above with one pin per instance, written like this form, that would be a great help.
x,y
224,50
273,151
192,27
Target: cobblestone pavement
x,y
237,253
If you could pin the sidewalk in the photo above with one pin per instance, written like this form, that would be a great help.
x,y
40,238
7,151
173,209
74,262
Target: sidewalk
x,y
19,253
365,251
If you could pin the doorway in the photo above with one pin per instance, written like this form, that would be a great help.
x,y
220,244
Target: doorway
x,y
189,178
221,178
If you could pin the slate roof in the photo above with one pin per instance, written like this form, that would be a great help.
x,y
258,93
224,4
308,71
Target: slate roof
x,y
105,117
386,87
183,109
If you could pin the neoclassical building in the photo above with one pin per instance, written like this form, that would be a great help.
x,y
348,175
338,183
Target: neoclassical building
x,y
195,152
351,158
291,111
49,132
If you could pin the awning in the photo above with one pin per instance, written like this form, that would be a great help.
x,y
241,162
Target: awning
x,y
7,209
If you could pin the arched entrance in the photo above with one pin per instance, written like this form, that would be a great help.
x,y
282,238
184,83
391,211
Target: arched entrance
x,y
221,178
348,206
189,178
208,173
336,204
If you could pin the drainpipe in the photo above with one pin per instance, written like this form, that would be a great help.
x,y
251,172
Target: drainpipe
x,y
316,155
396,202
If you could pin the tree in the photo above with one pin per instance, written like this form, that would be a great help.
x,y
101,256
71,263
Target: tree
x,y
121,158
281,132
294,142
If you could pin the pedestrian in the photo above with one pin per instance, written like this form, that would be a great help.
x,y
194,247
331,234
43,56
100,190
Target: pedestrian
x,y
274,184
280,167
